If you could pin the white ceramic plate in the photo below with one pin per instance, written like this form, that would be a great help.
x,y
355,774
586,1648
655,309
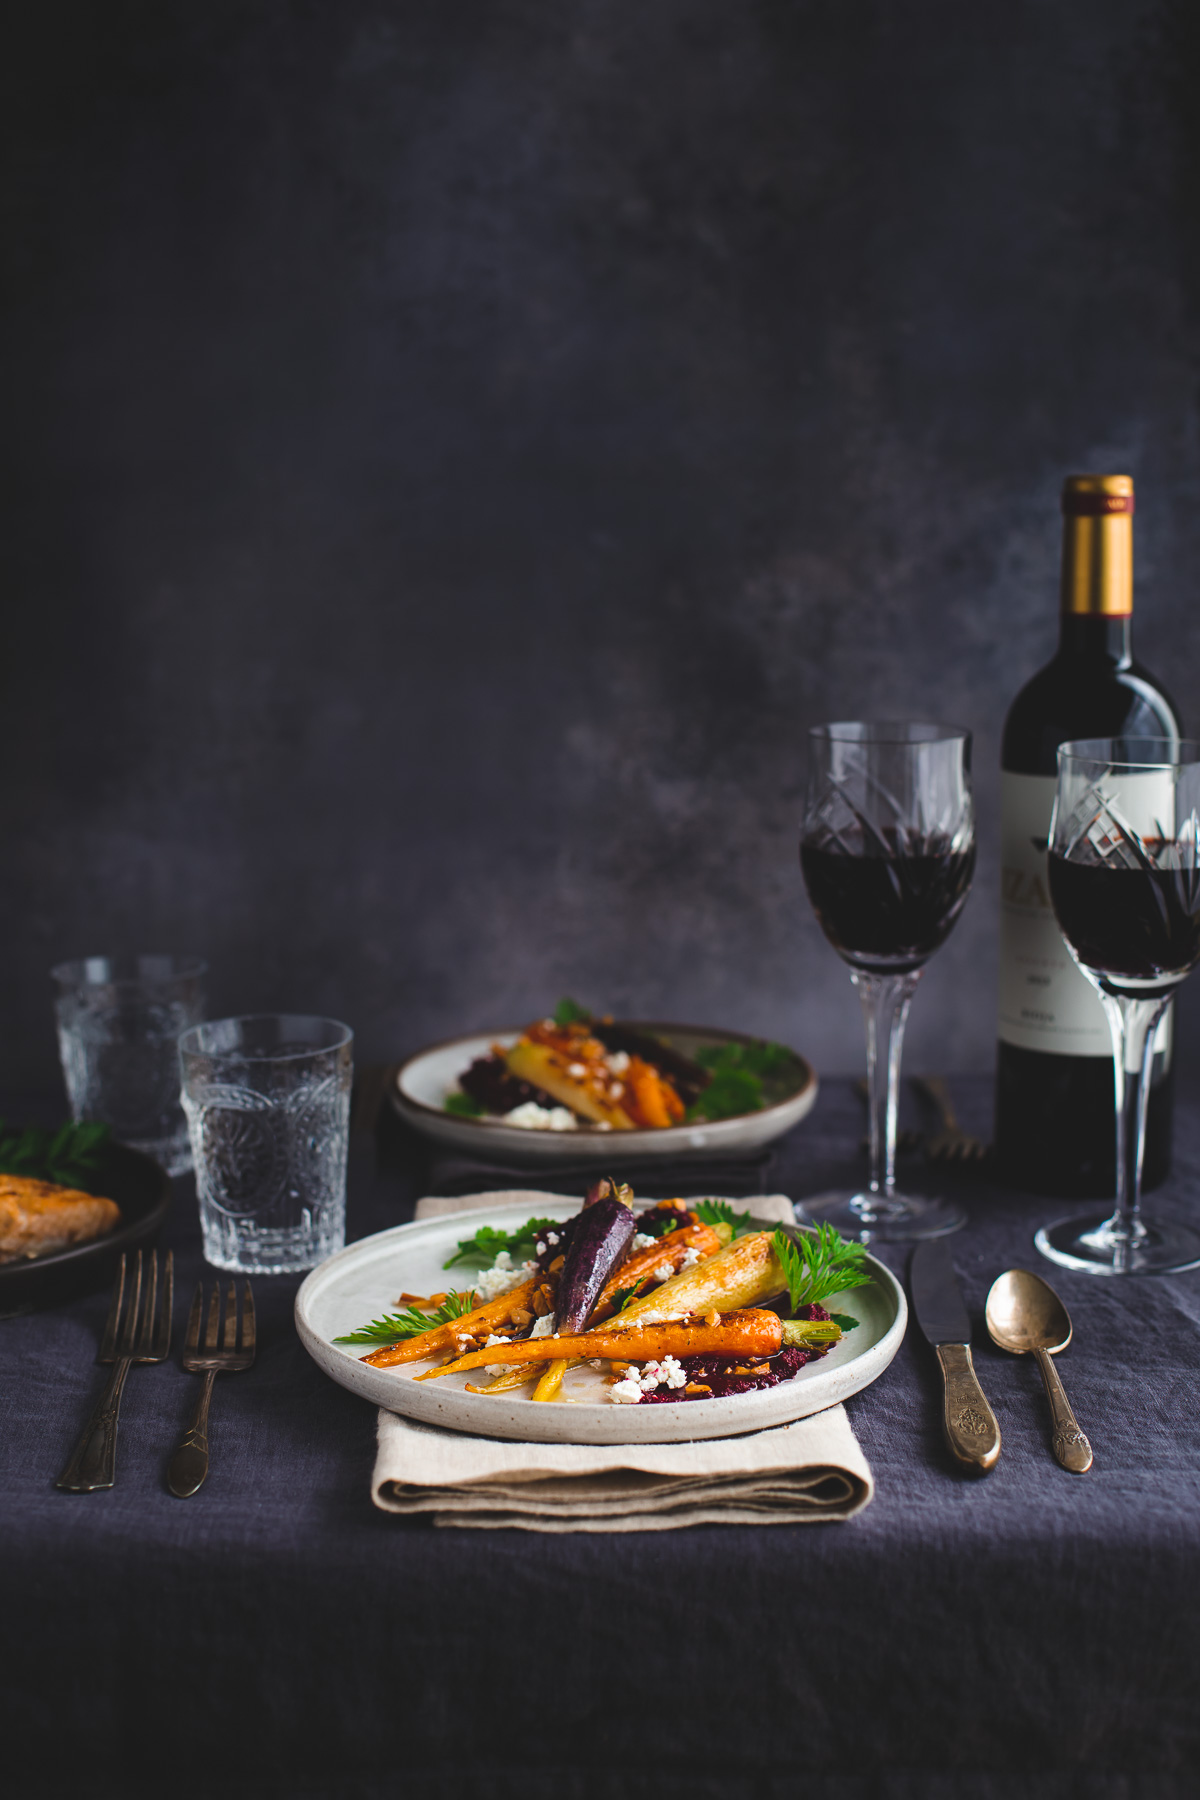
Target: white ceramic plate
x,y
423,1082
366,1279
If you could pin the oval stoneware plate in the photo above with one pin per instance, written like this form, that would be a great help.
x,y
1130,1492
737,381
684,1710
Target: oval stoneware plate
x,y
422,1083
367,1278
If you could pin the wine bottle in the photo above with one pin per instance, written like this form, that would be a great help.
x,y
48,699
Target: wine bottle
x,y
1055,1121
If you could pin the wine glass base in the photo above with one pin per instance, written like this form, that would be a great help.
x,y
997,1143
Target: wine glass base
x,y
1092,1247
901,1219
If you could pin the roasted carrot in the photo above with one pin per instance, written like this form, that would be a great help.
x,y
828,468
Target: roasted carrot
x,y
552,1378
516,1377
444,1337
652,1097
750,1333
665,1253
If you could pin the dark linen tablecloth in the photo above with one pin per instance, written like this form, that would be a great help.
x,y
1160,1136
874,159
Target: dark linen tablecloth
x,y
1032,1633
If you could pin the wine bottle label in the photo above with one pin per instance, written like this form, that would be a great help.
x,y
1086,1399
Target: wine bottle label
x,y
1046,1002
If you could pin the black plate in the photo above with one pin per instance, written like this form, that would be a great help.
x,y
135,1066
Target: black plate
x,y
142,1190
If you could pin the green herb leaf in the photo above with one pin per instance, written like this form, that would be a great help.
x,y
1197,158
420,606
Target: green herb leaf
x,y
819,1263
760,1058
70,1156
463,1105
569,1012
844,1321
730,1093
409,1323
719,1212
486,1245
626,1296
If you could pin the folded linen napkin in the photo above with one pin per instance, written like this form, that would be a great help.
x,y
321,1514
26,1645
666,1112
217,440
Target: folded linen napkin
x,y
804,1473
810,1471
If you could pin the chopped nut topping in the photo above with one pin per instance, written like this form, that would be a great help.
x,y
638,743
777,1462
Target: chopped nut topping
x,y
557,1264
712,1318
697,1387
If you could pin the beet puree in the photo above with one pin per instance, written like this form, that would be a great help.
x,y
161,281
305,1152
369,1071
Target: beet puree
x,y
716,1372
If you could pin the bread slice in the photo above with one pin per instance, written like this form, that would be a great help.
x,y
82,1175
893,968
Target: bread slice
x,y
36,1217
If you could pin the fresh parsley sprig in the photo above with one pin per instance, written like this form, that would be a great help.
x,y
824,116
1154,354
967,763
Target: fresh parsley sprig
x,y
569,1012
409,1323
819,1263
70,1156
486,1245
738,1072
464,1106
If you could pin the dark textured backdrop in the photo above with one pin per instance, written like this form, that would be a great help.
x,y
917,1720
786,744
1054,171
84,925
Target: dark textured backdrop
x,y
454,449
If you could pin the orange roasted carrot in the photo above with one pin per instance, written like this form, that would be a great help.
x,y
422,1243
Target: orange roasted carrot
x,y
444,1337
750,1333
655,1101
666,1253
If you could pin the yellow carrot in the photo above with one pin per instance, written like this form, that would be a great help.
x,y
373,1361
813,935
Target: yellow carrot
x,y
746,1273
516,1377
548,1387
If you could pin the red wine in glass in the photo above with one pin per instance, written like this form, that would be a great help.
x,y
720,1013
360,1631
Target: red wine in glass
x,y
1133,929
887,849
887,913
1124,877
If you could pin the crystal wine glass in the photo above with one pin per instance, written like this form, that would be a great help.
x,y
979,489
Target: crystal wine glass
x,y
1124,868
888,851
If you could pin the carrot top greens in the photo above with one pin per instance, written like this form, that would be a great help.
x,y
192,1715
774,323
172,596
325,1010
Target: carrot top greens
x,y
819,1264
409,1323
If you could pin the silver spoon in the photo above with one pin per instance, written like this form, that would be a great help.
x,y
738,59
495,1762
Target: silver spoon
x,y
1025,1315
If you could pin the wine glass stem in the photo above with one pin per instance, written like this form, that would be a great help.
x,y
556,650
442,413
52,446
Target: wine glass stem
x,y
1133,1024
885,1003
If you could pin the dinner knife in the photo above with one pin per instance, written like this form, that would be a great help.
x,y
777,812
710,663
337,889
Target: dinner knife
x,y
968,1421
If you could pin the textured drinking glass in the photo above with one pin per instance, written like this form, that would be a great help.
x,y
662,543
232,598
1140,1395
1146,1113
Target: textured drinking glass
x,y
119,1020
267,1100
888,851
1124,868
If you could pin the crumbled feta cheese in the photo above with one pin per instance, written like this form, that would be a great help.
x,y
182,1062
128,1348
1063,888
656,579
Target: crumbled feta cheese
x,y
618,1062
691,1257
501,1278
532,1117
650,1318
671,1372
544,1327
641,1240
663,1274
627,1392
494,1339
578,1070
596,1362
552,1237
616,1090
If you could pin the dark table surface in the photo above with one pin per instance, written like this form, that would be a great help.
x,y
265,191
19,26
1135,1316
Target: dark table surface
x,y
1030,1633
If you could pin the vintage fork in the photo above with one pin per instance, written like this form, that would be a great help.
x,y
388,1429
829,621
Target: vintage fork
x,y
951,1143
189,1464
138,1329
